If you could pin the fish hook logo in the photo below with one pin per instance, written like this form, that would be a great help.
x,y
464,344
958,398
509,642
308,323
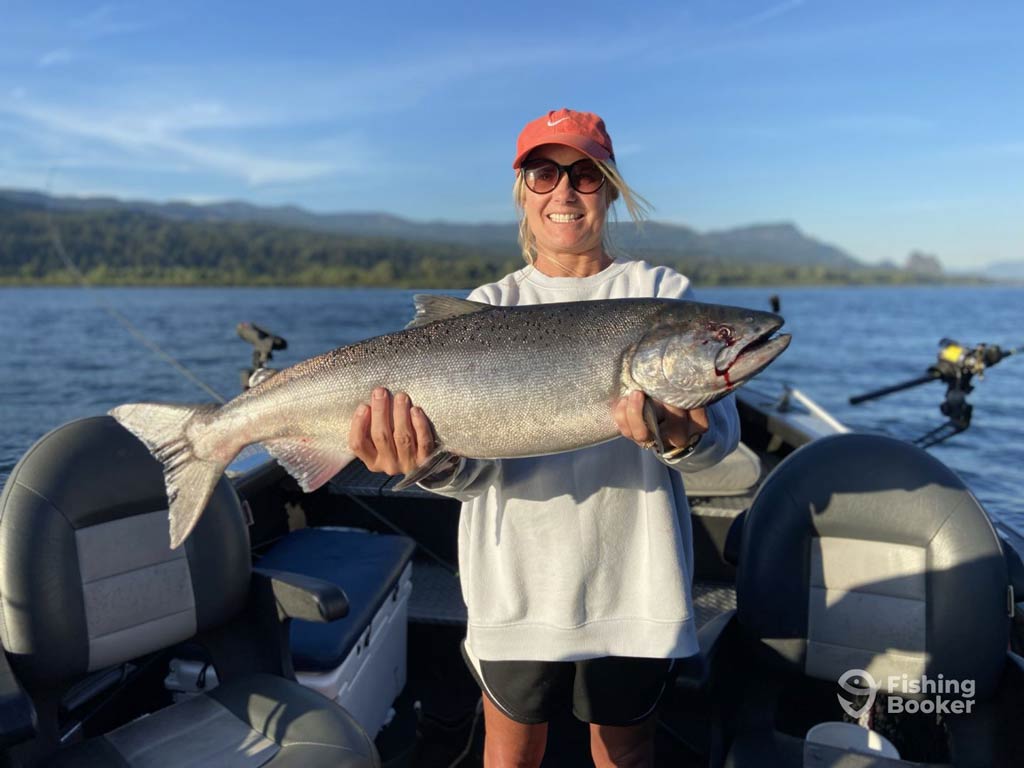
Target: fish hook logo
x,y
868,687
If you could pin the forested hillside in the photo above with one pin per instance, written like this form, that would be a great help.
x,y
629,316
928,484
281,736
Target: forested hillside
x,y
121,246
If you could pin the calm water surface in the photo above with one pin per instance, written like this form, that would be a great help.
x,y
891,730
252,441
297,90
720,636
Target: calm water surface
x,y
65,357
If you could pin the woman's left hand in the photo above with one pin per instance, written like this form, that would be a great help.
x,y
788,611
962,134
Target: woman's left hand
x,y
677,425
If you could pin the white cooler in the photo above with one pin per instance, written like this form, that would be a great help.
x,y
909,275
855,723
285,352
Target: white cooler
x,y
359,661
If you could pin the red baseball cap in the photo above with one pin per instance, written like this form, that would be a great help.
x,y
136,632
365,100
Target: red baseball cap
x,y
584,131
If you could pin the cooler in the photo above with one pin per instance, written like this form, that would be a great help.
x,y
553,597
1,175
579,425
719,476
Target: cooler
x,y
359,661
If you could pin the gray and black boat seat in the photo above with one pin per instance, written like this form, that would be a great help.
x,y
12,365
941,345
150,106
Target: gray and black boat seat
x,y
367,566
89,585
865,559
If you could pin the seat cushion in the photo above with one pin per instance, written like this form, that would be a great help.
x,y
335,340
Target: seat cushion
x,y
736,475
367,566
260,720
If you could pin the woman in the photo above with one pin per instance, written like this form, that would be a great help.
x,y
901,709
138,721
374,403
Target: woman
x,y
576,568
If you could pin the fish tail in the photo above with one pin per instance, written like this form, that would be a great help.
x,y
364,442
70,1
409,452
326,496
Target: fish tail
x,y
190,480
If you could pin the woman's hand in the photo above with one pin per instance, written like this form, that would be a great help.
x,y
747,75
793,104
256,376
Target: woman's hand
x,y
678,426
391,434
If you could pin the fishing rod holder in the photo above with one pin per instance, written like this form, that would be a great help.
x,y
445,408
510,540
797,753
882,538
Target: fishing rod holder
x,y
957,364
264,345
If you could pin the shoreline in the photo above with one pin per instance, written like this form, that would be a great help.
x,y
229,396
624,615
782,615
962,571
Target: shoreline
x,y
897,280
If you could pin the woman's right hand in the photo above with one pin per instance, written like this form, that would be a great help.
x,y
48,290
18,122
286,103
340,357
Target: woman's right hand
x,y
391,434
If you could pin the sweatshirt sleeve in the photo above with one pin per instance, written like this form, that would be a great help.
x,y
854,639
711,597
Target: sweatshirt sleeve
x,y
723,435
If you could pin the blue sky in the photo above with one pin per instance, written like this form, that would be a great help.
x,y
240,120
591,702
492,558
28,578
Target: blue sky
x,y
880,127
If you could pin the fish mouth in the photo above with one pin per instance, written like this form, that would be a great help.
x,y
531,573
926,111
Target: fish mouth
x,y
739,365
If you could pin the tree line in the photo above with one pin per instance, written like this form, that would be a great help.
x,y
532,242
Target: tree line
x,y
134,248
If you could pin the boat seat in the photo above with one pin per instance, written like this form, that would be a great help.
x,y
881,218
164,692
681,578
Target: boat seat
x,y
736,475
367,565
865,555
262,720
88,582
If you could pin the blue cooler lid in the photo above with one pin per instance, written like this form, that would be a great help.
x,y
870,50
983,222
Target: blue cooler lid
x,y
366,565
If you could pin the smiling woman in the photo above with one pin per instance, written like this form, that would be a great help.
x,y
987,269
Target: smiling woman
x,y
576,566
580,140
563,221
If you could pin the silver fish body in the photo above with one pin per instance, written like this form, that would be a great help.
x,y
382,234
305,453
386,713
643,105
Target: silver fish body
x,y
496,382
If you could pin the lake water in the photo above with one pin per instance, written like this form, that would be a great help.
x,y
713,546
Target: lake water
x,y
65,357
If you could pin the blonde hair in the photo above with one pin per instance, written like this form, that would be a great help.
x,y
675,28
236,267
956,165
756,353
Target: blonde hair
x,y
614,188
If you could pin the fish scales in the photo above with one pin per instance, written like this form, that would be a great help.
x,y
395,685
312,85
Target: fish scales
x,y
496,382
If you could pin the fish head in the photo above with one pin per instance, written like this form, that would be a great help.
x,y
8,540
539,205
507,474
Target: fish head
x,y
695,353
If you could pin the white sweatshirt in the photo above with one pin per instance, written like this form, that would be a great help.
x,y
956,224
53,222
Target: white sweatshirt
x,y
587,553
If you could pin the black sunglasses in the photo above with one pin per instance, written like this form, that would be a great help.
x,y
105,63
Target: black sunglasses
x,y
542,175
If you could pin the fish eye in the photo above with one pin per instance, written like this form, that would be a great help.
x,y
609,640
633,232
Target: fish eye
x,y
724,334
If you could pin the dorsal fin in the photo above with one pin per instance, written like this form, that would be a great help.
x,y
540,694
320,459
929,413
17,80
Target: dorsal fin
x,y
430,308
260,375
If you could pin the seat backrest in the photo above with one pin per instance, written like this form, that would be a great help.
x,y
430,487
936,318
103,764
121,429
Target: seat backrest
x,y
865,552
87,575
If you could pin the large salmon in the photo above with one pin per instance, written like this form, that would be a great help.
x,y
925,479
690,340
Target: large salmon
x,y
497,382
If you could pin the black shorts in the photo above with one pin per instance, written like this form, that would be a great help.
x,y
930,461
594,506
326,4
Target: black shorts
x,y
612,690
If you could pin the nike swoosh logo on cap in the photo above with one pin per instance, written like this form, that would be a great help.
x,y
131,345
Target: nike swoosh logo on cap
x,y
559,120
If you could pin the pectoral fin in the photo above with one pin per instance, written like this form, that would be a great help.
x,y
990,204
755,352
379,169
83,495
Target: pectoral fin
x,y
651,420
311,461
424,470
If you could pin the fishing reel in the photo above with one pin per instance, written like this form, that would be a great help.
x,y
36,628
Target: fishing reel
x,y
264,345
956,365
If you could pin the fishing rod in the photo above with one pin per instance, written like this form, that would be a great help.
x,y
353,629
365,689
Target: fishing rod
x,y
956,365
264,344
106,306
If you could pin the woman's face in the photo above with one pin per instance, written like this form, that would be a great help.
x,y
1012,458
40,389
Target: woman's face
x,y
564,221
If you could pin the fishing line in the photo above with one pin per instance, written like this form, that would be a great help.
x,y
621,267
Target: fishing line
x,y
472,732
141,337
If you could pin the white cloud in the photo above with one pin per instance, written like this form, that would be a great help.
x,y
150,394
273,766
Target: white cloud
x,y
164,135
396,84
54,57
768,14
239,121
105,21
1004,149
888,124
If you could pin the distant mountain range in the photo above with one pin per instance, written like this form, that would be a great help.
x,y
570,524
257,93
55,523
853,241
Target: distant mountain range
x,y
779,243
1005,270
